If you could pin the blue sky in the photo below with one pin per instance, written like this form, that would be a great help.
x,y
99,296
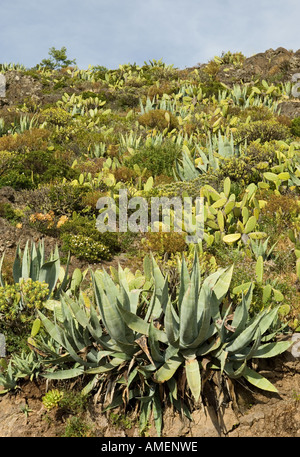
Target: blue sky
x,y
113,32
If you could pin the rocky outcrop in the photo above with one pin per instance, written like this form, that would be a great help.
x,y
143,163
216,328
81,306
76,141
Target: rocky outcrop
x,y
278,65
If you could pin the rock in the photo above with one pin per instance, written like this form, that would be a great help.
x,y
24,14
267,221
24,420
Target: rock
x,y
295,348
7,193
290,108
205,423
249,419
2,345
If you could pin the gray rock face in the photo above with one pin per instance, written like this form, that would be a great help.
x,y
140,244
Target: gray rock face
x,y
2,345
295,348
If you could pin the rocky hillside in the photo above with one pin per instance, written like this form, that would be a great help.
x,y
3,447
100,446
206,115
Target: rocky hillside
x,y
202,332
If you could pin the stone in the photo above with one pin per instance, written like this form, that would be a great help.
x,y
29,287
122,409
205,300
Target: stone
x,y
295,348
2,345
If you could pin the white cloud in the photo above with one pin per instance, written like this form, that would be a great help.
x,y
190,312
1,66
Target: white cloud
x,y
110,32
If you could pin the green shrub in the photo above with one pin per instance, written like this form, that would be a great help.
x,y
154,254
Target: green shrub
x,y
295,128
211,88
27,171
64,198
262,153
77,428
85,248
249,168
56,116
81,237
159,160
7,212
85,227
128,97
238,169
158,119
257,113
28,295
33,140
18,305
264,130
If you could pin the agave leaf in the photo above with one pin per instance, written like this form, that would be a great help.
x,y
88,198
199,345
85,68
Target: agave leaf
x,y
245,337
73,353
34,264
70,326
172,385
209,284
267,319
17,265
233,372
147,268
105,368
161,290
134,322
241,315
151,306
168,369
64,283
187,171
139,325
51,328
130,299
255,345
109,312
49,272
109,287
184,280
145,412
77,310
64,374
206,348
187,316
193,376
204,321
196,273
154,345
26,262
271,349
1,277
222,284
258,380
158,277
94,325
157,413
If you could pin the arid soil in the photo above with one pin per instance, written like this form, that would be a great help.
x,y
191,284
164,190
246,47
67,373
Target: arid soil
x,y
249,413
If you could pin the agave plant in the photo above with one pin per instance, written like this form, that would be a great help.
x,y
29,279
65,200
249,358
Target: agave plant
x,y
260,248
206,161
134,345
32,263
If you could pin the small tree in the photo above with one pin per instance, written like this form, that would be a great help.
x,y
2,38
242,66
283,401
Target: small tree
x,y
58,59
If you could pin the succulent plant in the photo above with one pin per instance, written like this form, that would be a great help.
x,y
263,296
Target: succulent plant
x,y
52,398
129,336
32,265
